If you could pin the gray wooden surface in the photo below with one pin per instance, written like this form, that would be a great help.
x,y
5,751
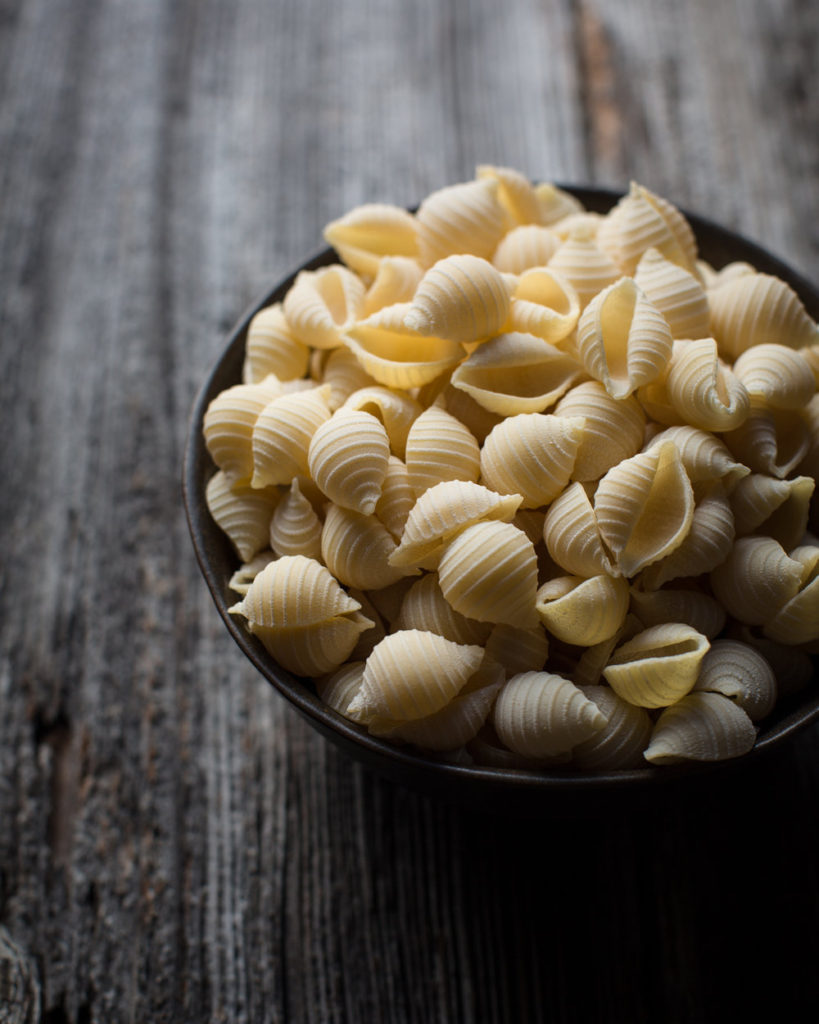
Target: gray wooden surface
x,y
175,843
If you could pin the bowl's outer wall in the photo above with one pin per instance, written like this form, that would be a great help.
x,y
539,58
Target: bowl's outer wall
x,y
515,790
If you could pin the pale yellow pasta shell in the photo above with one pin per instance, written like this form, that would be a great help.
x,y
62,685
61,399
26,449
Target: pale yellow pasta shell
x,y
338,690
463,407
704,456
572,535
344,374
242,512
641,221
586,221
462,298
270,347
368,233
539,714
677,293
525,246
703,390
544,303
772,441
282,433
316,649
776,375
588,669
356,549
701,727
348,458
229,422
295,529
531,454
397,498
467,217
244,576
774,508
658,666
515,193
622,339
396,279
425,607
396,409
322,304
644,507
613,429
440,448
583,611
516,373
517,649
620,744
555,203
756,580
489,572
694,608
797,621
739,671
584,265
371,636
388,600
794,668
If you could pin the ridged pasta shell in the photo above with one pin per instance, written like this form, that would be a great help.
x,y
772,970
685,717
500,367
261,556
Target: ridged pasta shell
x,y
244,576
462,298
756,580
693,608
701,727
793,668
572,535
531,454
736,268
588,269
344,374
270,347
658,666
388,600
538,714
544,303
525,246
641,221
620,744
370,637
339,689
587,221
704,456
758,309
316,649
282,433
517,649
356,549
810,353
348,458
555,203
396,409
776,376
368,233
486,749
394,356
622,339
583,611
613,429
489,572
516,373
657,404
412,674
228,426
242,512
703,390
705,546
295,529
441,513
775,508
440,448
467,217
396,279
797,621
588,669
644,507
425,607
397,498
772,441
322,304
738,671
676,292
516,193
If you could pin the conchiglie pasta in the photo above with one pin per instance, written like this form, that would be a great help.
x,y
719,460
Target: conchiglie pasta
x,y
348,458
703,390
229,422
613,428
440,448
242,512
545,304
356,548
370,232
583,611
467,217
462,298
657,667
322,304
572,535
756,580
425,607
525,246
676,293
701,727
270,347
621,742
586,267
282,433
295,529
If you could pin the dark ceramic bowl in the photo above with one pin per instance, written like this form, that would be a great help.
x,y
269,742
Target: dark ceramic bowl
x,y
476,786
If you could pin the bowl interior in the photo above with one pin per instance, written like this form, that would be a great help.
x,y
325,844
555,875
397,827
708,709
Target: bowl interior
x,y
218,561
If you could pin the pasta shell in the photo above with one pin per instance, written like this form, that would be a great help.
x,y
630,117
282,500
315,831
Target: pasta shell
x,y
487,749
703,390
394,356
339,689
397,498
517,649
295,529
572,535
425,607
587,268
793,668
412,674
440,448
461,218
704,456
348,459
244,576
622,339
356,549
701,727
282,433
345,376
241,512
738,671
322,304
531,454
388,600
270,347
538,714
775,508
368,233
772,441
516,373
370,637
516,193
555,203
441,513
528,245
693,608
316,649
462,298
474,416
658,666
776,376
731,271
642,221
489,572
757,309
797,621
395,281
756,580
587,221
644,507
613,429
676,292
396,409
544,303
583,611
228,426
588,670
620,744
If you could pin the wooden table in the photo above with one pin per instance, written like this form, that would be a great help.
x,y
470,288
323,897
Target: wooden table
x,y
175,843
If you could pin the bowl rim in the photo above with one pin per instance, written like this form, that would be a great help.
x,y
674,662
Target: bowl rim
x,y
212,546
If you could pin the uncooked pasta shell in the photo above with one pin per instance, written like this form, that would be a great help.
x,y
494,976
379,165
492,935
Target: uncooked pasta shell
x,y
555,203
295,529
641,221
517,649
621,742
658,666
270,347
316,649
583,611
703,390
229,422
587,268
440,448
797,621
396,409
241,580
515,193
339,689
356,548
613,429
738,671
572,535
425,607
467,217
774,508
525,246
395,280
777,376
544,303
676,292
348,458
344,374
397,498
473,415
462,298
704,456
322,304
772,441
282,433
701,727
756,580
242,512
692,607
368,233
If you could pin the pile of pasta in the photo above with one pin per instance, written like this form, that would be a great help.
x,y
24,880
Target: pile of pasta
x,y
522,484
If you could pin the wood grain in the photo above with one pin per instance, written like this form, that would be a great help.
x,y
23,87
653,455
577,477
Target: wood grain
x,y
175,843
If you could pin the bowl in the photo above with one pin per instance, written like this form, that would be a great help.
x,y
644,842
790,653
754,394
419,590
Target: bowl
x,y
476,786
